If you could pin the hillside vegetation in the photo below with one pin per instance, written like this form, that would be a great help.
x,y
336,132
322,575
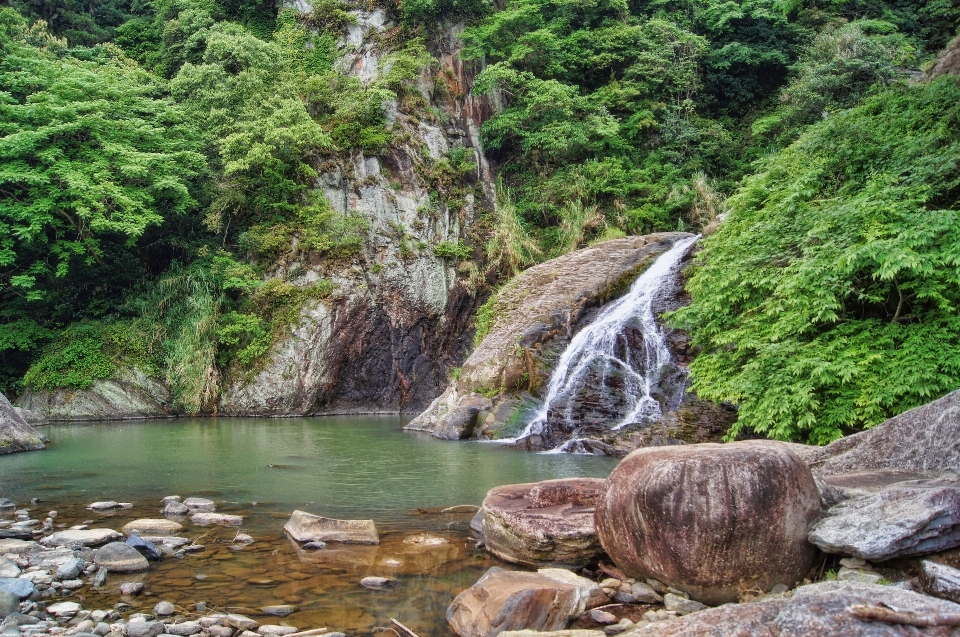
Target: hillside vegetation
x,y
156,157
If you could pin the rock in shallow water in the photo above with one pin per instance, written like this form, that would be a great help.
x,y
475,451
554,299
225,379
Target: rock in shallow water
x,y
81,537
147,549
144,629
8,568
712,520
221,519
9,604
546,523
22,588
200,504
306,527
131,588
514,600
278,610
118,557
150,526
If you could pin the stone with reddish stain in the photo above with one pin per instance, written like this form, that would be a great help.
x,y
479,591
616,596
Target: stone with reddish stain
x,y
546,523
712,520
513,600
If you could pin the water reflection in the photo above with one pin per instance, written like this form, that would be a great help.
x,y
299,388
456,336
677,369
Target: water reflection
x,y
348,467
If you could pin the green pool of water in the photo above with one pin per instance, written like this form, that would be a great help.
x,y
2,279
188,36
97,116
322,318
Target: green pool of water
x,y
347,467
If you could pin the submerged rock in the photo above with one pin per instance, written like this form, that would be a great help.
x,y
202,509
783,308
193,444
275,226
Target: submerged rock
x,y
546,523
15,434
512,600
306,527
205,518
711,520
147,526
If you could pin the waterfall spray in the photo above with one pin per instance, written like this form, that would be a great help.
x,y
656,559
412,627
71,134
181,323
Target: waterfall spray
x,y
597,344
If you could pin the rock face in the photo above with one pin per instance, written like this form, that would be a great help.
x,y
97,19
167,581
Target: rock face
x,y
546,523
712,520
821,609
924,439
510,600
400,314
948,62
129,394
534,316
306,527
15,434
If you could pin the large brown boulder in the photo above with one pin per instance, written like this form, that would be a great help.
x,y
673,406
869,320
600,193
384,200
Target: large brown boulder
x,y
512,600
546,523
713,520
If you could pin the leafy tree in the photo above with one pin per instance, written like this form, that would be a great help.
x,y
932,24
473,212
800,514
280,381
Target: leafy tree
x,y
830,298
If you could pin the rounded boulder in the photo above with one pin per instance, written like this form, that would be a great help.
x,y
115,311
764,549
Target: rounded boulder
x,y
714,520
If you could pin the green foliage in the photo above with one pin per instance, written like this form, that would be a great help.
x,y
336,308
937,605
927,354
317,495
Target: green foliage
x,y
829,298
89,351
90,150
456,251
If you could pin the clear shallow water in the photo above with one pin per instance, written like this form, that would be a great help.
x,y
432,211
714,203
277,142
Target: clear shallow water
x,y
348,467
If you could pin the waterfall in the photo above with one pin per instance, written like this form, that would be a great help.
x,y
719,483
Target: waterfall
x,y
601,348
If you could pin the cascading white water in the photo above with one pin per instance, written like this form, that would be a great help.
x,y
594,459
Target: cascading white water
x,y
596,348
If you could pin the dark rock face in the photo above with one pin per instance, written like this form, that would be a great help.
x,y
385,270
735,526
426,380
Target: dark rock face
x,y
712,520
820,610
546,523
940,580
15,434
511,600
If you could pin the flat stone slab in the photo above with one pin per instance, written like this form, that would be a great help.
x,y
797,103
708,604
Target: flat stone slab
x,y
306,527
152,526
18,546
200,504
105,505
547,523
84,537
206,518
62,609
910,518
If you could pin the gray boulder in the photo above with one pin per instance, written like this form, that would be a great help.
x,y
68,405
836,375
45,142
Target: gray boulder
x,y
152,526
821,610
8,568
547,523
15,434
306,527
19,586
9,604
144,629
70,569
940,580
118,557
914,517
512,600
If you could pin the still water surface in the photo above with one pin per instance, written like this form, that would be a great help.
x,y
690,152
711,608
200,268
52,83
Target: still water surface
x,y
346,467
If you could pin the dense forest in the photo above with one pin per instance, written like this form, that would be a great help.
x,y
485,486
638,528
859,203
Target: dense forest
x,y
156,155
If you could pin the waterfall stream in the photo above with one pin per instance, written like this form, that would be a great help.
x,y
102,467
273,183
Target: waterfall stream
x,y
601,348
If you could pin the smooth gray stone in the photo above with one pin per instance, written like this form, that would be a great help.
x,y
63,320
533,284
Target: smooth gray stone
x,y
8,568
144,629
146,548
184,629
164,609
70,569
279,610
9,604
22,588
914,517
100,577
